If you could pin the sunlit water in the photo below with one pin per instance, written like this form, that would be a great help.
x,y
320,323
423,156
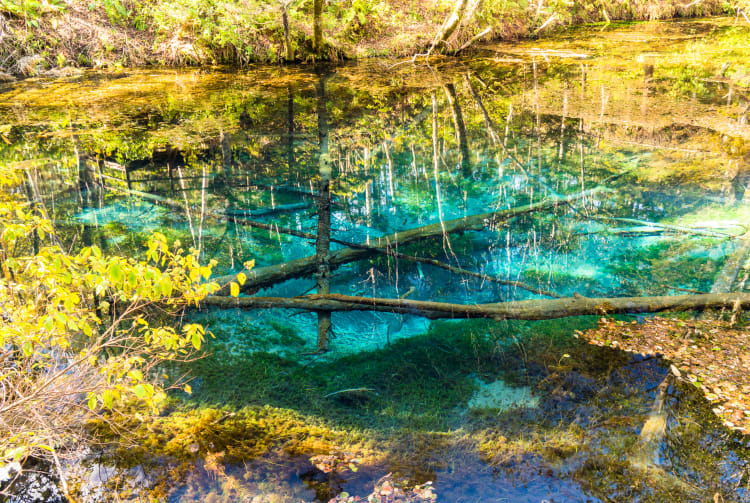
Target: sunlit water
x,y
116,155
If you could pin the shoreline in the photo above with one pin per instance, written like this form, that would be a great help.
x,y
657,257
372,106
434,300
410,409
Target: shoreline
x,y
161,34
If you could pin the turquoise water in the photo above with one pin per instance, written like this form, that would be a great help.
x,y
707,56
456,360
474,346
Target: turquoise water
x,y
117,155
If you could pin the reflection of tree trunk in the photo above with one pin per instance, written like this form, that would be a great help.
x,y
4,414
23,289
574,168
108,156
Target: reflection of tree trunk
x,y
187,206
322,244
436,162
458,121
538,309
226,155
290,129
489,125
561,151
32,201
389,161
204,184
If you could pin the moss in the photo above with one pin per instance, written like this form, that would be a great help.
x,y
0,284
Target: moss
x,y
650,269
288,335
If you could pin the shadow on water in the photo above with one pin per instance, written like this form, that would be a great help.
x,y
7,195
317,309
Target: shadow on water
x,y
234,164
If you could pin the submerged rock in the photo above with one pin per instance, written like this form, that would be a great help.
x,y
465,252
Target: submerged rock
x,y
499,395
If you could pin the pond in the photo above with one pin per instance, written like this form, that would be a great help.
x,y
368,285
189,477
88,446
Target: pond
x,y
644,127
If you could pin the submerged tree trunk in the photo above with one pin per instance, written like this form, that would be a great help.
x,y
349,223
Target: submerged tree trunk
x,y
538,309
307,266
392,253
323,241
727,277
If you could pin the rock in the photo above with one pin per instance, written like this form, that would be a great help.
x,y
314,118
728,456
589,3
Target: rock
x,y
498,395
27,66
66,71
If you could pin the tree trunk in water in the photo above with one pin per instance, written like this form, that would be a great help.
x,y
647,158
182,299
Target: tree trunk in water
x,y
728,275
323,241
391,253
538,309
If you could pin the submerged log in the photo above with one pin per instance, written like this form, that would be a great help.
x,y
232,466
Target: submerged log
x,y
264,212
727,277
307,266
397,255
517,310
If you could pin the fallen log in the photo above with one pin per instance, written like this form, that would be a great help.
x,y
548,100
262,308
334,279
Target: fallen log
x,y
264,212
306,266
398,255
536,309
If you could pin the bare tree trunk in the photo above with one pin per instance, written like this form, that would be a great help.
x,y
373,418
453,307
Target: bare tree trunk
x,y
285,22
318,26
449,26
538,309
323,241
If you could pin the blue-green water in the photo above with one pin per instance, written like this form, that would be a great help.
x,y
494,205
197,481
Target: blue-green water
x,y
117,155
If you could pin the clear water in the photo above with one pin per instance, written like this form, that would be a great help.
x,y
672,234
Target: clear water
x,y
173,150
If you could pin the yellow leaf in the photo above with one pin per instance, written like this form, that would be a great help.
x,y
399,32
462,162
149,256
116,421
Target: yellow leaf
x,y
188,389
241,278
234,289
205,272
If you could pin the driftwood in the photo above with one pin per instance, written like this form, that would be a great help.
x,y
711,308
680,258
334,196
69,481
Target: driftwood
x,y
307,266
517,310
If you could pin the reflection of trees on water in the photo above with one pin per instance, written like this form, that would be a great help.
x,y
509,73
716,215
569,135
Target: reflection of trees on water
x,y
495,138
